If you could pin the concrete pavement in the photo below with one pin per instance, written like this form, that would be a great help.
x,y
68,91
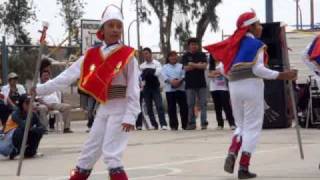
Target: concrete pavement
x,y
176,155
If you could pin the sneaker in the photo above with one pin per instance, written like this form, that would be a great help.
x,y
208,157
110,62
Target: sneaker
x,y
233,128
205,127
229,163
67,131
88,130
245,174
219,128
164,128
139,128
191,127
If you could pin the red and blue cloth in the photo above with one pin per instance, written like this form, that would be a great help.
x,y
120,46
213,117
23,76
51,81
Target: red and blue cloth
x,y
314,50
226,51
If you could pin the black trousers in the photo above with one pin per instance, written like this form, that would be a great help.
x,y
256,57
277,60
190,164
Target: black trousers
x,y
180,98
150,96
140,116
34,137
221,101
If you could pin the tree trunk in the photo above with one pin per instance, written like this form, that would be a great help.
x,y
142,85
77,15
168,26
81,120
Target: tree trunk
x,y
203,23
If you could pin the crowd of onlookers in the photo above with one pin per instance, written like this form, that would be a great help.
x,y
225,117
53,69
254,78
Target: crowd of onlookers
x,y
183,80
185,84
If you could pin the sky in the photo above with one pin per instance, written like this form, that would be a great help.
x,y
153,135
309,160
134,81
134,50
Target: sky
x,y
228,12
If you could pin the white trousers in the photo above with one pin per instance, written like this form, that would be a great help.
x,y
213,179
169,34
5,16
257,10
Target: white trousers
x,y
247,99
106,137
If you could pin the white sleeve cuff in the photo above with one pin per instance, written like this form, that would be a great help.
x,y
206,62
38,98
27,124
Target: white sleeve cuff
x,y
129,118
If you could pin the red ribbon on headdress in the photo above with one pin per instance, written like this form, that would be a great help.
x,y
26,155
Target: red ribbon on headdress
x,y
225,51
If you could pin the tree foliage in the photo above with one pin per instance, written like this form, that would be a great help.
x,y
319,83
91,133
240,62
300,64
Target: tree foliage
x,y
14,16
72,12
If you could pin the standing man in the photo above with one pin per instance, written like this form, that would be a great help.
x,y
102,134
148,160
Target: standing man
x,y
244,58
195,63
110,74
150,74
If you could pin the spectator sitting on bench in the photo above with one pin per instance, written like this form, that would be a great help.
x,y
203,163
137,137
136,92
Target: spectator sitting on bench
x,y
53,102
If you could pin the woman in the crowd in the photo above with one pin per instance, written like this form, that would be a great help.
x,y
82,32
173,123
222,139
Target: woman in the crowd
x,y
220,95
15,127
173,75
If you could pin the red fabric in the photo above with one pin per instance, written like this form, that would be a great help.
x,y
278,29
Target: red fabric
x,y
235,145
245,160
119,176
97,71
100,34
225,51
76,175
316,51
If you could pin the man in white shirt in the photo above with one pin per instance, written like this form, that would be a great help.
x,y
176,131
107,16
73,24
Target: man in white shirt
x,y
11,93
244,58
151,70
110,74
12,89
53,102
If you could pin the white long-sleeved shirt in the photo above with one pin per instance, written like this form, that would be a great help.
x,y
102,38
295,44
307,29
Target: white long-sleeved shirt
x,y
170,72
154,64
129,77
259,69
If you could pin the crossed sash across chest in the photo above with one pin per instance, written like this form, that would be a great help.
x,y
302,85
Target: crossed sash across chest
x,y
98,71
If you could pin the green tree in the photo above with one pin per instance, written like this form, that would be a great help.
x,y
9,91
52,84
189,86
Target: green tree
x,y
165,11
203,14
14,16
72,12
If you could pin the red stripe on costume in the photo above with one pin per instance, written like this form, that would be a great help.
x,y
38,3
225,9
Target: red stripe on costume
x,y
316,50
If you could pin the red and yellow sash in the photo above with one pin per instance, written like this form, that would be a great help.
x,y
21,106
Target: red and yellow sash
x,y
98,71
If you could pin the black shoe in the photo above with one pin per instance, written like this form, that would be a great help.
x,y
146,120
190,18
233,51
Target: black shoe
x,y
245,174
67,130
191,127
13,154
229,163
205,127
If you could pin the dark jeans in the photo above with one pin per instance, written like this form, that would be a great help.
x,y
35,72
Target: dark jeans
x,y
140,116
221,101
180,98
150,96
91,111
34,137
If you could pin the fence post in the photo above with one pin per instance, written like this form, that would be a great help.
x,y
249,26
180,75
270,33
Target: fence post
x,y
5,66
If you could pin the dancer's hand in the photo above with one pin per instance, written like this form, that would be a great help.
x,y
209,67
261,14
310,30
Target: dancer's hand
x,y
288,75
33,91
127,127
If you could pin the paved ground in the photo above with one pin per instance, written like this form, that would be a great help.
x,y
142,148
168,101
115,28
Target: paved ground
x,y
182,155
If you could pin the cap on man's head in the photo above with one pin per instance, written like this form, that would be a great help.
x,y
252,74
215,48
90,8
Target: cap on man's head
x,y
111,12
12,75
